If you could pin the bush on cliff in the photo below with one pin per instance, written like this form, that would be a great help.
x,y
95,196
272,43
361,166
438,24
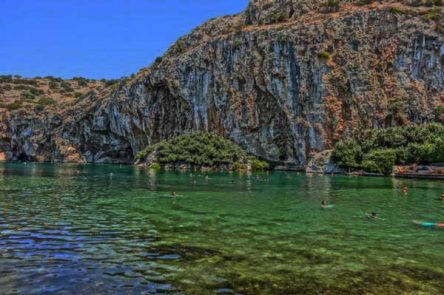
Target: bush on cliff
x,y
199,150
375,150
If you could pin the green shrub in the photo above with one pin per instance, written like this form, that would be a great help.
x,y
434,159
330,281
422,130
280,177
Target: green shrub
x,y
258,165
82,82
199,149
15,105
27,95
46,101
155,166
432,14
396,10
439,114
36,92
380,161
274,17
238,166
409,144
5,78
348,154
112,82
53,85
333,5
324,55
55,81
370,166
66,87
237,43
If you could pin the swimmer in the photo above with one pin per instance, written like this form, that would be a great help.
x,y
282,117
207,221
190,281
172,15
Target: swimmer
x,y
373,215
174,194
442,197
405,189
430,225
324,204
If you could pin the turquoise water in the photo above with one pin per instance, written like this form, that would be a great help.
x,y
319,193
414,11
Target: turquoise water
x,y
72,229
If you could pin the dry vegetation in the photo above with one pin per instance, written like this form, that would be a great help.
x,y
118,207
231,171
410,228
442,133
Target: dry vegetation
x,y
47,93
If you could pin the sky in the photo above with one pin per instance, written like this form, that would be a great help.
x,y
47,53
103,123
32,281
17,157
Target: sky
x,y
96,38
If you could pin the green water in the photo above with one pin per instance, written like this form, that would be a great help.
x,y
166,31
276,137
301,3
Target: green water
x,y
117,230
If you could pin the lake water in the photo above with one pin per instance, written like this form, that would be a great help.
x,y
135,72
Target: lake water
x,y
71,229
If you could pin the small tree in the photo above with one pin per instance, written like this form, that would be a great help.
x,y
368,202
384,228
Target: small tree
x,y
381,161
348,154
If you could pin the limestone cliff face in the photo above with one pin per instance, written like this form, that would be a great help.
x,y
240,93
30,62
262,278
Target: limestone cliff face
x,y
285,79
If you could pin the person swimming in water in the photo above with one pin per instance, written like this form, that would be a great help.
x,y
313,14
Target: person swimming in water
x,y
324,204
373,215
405,189
174,194
430,225
442,197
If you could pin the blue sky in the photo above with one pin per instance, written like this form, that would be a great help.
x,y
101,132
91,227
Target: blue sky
x,y
96,38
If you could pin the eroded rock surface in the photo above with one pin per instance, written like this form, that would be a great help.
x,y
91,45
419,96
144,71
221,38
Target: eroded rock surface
x,y
285,80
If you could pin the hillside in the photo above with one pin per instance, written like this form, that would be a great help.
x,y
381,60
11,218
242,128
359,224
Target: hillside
x,y
284,80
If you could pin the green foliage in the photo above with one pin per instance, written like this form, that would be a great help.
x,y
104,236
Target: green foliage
x,y
375,150
396,10
237,43
432,14
111,82
324,55
380,161
54,79
15,105
66,87
364,2
333,5
21,87
180,46
348,154
155,166
82,82
5,78
18,80
53,84
258,165
439,114
46,101
274,17
238,166
36,92
200,149
27,95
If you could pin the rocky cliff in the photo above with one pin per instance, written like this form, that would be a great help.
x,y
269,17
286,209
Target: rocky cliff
x,y
285,79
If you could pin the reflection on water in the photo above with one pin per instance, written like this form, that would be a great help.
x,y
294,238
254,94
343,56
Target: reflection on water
x,y
117,229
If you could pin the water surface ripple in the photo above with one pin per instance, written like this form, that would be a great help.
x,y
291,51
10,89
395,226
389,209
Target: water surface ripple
x,y
70,229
